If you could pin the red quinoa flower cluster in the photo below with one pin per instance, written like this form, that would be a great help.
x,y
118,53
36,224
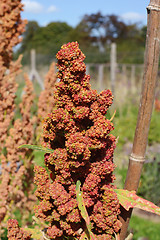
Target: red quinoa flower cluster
x,y
15,232
16,175
11,27
79,133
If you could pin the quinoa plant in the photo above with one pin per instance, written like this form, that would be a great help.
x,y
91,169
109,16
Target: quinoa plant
x,y
15,164
16,179
11,27
78,132
15,232
45,102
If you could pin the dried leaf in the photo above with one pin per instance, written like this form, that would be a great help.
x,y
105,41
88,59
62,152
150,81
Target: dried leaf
x,y
129,199
113,116
36,233
85,236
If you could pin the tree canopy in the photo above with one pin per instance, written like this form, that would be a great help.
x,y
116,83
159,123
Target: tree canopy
x,y
94,33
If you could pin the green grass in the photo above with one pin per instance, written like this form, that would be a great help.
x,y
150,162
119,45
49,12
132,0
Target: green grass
x,y
154,133
144,228
125,124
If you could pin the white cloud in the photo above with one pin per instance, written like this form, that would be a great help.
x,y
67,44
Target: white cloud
x,y
32,6
52,8
133,16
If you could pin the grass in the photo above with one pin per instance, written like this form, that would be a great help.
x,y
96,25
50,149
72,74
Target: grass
x,y
125,123
144,228
154,133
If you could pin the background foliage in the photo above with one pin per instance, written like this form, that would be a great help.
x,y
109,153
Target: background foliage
x,y
94,33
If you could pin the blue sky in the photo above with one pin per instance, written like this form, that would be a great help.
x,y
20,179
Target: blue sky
x,y
72,11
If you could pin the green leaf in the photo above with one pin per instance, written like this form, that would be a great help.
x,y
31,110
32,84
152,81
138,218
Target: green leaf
x,y
81,205
129,199
38,148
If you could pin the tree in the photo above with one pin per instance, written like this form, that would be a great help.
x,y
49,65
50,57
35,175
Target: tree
x,y
94,33
31,29
46,39
103,28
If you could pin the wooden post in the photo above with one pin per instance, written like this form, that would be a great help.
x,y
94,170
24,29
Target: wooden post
x,y
151,62
100,76
124,73
133,77
34,74
87,69
113,65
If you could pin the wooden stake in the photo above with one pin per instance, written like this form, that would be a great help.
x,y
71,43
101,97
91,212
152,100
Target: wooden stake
x,y
87,69
133,77
137,157
100,76
113,62
33,73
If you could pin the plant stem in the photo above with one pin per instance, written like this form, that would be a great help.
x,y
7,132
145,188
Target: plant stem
x,y
151,62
